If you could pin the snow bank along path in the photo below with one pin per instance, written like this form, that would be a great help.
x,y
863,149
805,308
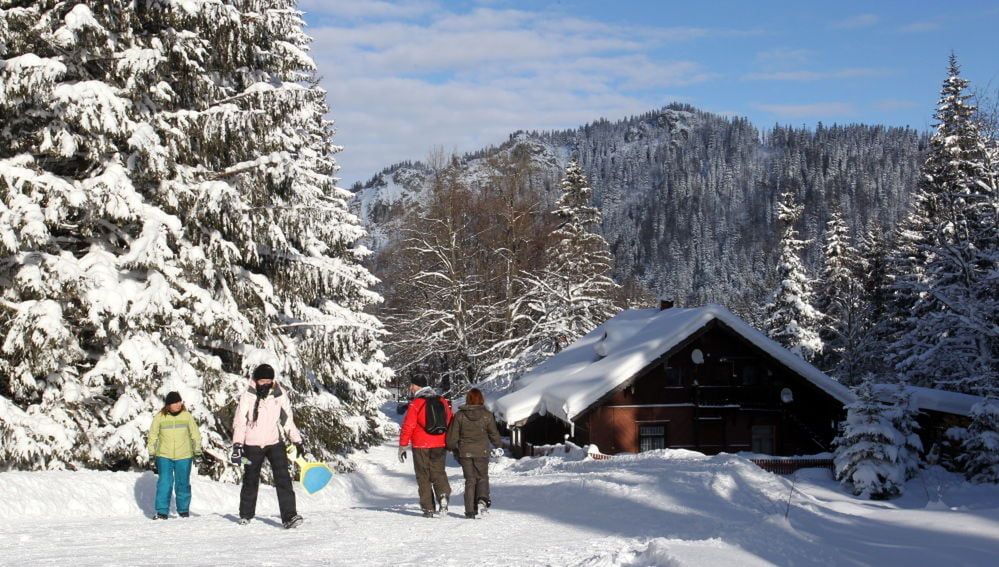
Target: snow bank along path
x,y
667,507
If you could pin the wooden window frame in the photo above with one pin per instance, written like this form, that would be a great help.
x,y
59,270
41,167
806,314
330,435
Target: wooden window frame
x,y
773,437
665,434
679,377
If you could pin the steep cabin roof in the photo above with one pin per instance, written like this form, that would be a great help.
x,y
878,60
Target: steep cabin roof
x,y
930,399
568,384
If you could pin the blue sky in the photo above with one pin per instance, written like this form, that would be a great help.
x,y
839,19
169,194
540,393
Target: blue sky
x,y
406,76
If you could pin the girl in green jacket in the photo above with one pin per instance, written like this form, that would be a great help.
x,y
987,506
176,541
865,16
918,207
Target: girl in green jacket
x,y
174,443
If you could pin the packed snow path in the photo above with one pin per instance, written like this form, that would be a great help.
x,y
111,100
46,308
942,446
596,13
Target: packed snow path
x,y
661,508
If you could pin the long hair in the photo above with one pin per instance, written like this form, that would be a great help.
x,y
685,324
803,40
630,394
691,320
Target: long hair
x,y
474,397
166,408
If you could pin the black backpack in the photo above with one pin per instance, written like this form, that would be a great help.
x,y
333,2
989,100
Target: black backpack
x,y
435,416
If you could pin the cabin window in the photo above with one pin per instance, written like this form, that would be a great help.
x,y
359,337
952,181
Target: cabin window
x,y
763,439
750,376
673,379
651,436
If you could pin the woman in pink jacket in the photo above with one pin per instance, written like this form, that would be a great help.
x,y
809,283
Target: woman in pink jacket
x,y
262,427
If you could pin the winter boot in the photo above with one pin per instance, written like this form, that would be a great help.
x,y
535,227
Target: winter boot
x,y
428,514
160,517
244,521
483,505
184,514
294,522
470,515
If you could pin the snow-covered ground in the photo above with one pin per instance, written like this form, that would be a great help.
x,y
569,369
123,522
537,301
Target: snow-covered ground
x,y
658,508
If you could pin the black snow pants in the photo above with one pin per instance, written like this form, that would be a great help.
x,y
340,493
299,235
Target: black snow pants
x,y
251,480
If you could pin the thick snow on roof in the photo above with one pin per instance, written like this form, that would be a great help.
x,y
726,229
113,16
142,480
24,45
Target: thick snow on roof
x,y
574,379
934,400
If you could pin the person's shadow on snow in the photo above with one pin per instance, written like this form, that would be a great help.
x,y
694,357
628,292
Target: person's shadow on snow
x,y
394,509
145,493
262,519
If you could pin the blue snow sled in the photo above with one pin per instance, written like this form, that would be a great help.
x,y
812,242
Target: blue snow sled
x,y
314,476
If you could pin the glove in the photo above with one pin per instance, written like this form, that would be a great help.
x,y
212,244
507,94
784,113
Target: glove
x,y
153,467
402,454
498,452
198,458
294,451
236,455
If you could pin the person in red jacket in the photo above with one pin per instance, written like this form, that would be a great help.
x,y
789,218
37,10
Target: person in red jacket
x,y
425,427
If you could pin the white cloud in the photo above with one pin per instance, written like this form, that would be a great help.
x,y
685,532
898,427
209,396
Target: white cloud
x,y
917,27
354,9
856,22
783,57
399,86
818,110
405,118
803,75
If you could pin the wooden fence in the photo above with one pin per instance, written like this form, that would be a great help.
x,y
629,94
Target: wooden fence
x,y
546,450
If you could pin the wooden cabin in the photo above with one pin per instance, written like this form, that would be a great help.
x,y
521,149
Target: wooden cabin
x,y
939,411
700,379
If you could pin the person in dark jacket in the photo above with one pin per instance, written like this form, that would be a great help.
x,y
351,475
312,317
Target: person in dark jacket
x,y
472,430
429,450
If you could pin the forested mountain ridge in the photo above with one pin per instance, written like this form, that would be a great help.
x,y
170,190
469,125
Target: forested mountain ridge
x,y
687,196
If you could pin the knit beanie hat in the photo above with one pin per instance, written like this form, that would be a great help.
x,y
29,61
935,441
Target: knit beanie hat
x,y
172,398
263,372
420,381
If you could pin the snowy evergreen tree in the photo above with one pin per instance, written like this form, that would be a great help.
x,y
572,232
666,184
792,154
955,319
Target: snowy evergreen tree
x,y
951,336
839,299
980,456
906,278
566,299
789,317
575,292
877,300
168,218
903,416
871,453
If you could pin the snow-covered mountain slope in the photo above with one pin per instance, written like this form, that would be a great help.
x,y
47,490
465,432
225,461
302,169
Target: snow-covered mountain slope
x,y
669,507
381,201
687,197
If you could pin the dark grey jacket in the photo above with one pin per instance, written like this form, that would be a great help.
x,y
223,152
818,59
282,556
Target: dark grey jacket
x,y
471,431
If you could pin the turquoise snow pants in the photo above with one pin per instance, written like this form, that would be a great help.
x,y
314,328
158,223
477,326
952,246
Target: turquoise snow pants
x,y
173,476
